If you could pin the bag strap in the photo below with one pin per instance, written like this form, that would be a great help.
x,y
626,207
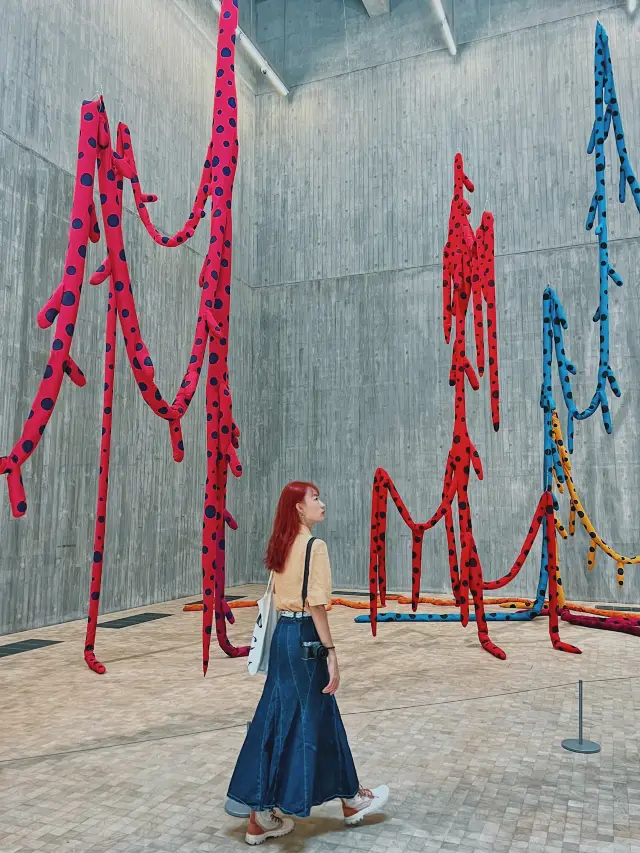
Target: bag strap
x,y
307,563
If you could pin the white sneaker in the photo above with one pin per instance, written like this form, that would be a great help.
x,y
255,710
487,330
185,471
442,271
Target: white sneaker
x,y
265,825
364,803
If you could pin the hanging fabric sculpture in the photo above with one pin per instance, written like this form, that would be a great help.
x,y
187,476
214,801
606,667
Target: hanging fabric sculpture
x,y
464,280
211,339
468,281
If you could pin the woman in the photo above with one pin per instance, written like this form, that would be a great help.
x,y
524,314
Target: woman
x,y
296,753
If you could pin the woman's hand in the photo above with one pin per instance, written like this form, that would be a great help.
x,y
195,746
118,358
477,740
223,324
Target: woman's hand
x,y
334,674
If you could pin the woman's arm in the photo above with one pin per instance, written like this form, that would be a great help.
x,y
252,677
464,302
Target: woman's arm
x,y
321,621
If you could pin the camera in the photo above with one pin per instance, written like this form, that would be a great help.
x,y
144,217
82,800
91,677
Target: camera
x,y
314,651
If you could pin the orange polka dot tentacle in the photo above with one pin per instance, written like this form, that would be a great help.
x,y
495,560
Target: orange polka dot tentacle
x,y
95,152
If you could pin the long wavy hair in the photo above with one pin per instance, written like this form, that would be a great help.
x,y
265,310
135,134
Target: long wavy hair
x,y
286,524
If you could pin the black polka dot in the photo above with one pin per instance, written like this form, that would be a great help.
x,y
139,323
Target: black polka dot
x,y
47,404
86,180
27,446
113,220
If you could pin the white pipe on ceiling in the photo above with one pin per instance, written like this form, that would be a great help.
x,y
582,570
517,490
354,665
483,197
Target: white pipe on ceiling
x,y
255,56
444,23
632,5
376,7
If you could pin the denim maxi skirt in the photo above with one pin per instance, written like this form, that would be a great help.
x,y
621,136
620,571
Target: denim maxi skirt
x,y
296,754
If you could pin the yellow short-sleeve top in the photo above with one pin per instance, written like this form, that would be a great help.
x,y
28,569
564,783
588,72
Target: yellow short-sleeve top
x,y
288,583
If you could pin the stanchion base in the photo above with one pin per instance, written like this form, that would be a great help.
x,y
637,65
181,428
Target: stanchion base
x,y
236,809
574,744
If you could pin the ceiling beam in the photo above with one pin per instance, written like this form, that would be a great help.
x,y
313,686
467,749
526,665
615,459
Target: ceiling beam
x,y
255,57
376,7
444,24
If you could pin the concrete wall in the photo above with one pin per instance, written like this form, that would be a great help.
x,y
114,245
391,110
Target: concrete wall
x,y
155,61
338,363
353,185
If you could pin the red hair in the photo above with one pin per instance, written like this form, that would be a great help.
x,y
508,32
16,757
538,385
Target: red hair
x,y
286,524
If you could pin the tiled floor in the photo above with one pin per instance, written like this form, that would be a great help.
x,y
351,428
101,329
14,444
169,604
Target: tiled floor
x,y
139,759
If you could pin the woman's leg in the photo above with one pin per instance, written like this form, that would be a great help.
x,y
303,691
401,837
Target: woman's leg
x,y
335,772
249,783
265,825
365,802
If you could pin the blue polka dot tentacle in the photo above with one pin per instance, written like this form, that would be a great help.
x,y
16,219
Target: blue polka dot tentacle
x,y
607,115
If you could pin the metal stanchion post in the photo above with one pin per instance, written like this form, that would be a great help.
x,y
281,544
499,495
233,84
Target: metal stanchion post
x,y
237,809
587,747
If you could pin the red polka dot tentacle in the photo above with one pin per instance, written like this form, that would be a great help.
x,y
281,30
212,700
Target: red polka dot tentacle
x,y
211,333
468,281
61,309
100,529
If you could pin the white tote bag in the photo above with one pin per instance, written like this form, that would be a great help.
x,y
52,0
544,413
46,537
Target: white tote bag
x,y
263,630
